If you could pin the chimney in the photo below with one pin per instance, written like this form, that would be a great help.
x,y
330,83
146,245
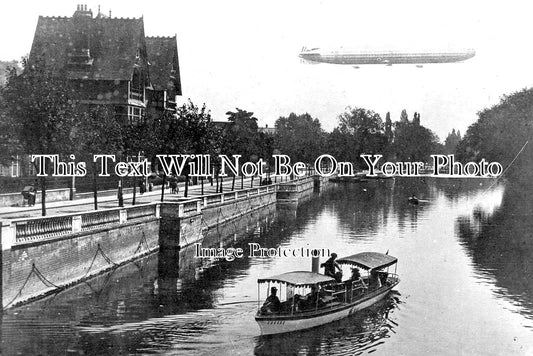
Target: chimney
x,y
315,261
81,11
79,52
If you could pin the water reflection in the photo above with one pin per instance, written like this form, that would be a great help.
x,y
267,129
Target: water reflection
x,y
358,334
499,237
464,259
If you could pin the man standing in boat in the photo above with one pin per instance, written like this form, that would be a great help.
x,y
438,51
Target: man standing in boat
x,y
330,265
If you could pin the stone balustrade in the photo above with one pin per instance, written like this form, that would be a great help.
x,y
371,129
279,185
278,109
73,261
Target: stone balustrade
x,y
212,199
22,231
190,206
34,229
229,196
99,219
288,188
141,212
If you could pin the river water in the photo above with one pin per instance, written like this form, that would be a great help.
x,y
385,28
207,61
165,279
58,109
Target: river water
x,y
465,262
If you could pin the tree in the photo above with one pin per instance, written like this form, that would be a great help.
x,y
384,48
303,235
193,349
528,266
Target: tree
x,y
189,131
500,134
366,128
342,146
40,113
97,132
197,133
300,137
451,141
416,119
389,139
9,144
5,68
403,116
413,142
240,135
388,129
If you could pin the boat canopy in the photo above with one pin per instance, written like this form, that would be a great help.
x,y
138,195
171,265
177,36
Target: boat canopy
x,y
368,260
299,278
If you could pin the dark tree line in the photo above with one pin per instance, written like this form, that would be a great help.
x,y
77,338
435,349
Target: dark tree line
x,y
501,133
39,114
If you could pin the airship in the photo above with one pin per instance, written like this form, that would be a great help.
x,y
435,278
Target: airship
x,y
385,57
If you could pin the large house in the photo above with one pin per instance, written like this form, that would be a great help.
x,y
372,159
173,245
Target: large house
x,y
110,61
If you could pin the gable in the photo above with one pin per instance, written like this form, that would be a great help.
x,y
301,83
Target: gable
x,y
164,64
114,46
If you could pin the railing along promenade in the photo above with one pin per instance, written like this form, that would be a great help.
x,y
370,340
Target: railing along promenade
x,y
35,230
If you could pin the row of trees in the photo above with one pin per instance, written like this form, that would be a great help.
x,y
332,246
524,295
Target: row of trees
x,y
503,133
38,115
359,131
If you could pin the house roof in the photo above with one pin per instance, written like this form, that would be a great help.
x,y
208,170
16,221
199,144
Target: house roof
x,y
113,45
163,57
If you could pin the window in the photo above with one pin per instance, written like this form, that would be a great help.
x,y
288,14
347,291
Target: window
x,y
136,115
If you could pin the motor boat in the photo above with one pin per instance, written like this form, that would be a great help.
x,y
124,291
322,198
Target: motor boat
x,y
312,299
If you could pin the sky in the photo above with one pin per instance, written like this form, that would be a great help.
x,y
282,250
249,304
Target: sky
x,y
244,54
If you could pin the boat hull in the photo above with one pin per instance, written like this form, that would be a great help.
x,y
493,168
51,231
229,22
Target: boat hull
x,y
277,325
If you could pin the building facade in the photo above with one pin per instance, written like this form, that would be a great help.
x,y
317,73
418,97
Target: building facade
x,y
110,61
107,61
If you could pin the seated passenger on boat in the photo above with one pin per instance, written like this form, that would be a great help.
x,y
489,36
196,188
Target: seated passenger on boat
x,y
356,277
315,298
272,303
375,279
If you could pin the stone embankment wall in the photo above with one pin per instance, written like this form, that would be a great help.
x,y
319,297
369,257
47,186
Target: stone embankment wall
x,y
44,255
40,256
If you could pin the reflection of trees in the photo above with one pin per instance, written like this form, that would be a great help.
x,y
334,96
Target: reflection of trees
x,y
103,300
199,279
364,207
454,187
502,244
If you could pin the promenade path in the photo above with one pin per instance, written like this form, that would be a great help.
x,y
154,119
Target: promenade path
x,y
106,202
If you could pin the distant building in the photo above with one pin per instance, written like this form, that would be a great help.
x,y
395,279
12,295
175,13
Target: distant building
x,y
110,61
267,130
